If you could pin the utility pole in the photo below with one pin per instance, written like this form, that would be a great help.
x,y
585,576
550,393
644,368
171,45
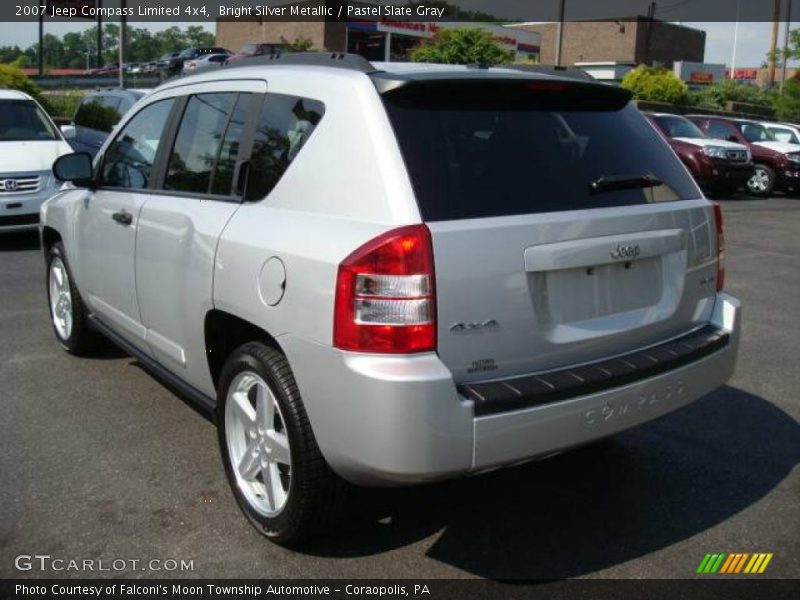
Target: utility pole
x,y
786,42
773,47
122,23
41,44
735,40
99,35
560,32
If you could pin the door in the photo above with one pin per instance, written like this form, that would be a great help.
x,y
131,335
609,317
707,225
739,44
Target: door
x,y
108,222
564,228
180,225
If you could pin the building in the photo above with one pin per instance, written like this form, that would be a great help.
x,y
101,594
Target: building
x,y
383,40
636,40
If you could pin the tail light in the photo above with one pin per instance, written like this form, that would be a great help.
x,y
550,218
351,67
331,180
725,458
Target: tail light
x,y
720,248
385,296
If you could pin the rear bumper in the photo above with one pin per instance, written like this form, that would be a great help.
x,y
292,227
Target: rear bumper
x,y
382,420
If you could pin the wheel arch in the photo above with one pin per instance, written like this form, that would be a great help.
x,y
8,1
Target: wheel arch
x,y
224,332
49,237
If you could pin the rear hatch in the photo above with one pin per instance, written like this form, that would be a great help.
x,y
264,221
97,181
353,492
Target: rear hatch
x,y
565,230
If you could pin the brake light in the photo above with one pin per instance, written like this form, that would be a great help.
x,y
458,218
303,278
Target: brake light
x,y
385,295
720,248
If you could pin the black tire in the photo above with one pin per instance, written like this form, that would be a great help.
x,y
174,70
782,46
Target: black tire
x,y
756,189
81,338
316,495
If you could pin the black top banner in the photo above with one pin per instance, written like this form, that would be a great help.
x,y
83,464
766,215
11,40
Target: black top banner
x,y
411,10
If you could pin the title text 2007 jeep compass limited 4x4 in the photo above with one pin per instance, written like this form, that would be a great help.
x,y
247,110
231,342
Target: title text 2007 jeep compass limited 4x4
x,y
389,274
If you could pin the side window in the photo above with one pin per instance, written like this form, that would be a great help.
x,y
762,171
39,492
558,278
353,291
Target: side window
x,y
199,142
99,113
222,179
784,135
283,127
719,130
128,161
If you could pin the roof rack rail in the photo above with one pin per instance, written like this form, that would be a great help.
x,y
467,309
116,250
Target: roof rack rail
x,y
339,60
559,70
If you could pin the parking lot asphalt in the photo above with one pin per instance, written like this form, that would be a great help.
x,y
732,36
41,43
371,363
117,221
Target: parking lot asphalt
x,y
98,460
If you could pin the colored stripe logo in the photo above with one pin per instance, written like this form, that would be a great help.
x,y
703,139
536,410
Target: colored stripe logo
x,y
734,563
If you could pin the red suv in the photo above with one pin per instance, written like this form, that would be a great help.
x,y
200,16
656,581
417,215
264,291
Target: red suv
x,y
720,167
777,164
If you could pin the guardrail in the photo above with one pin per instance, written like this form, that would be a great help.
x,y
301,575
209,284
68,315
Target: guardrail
x,y
57,82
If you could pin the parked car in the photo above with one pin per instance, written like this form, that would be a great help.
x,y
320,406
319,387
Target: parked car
x,y
176,63
98,113
204,61
720,167
784,132
776,164
29,143
164,62
348,265
111,69
258,50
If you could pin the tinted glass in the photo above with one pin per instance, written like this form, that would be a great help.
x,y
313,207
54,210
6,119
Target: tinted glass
x,y
754,132
784,135
719,130
198,142
284,125
100,113
678,127
487,150
128,162
226,161
23,120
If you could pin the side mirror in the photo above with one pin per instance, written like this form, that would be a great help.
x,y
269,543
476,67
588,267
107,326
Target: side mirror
x,y
75,168
69,132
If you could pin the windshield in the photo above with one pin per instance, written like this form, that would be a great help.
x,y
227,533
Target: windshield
x,y
753,132
676,127
485,150
23,120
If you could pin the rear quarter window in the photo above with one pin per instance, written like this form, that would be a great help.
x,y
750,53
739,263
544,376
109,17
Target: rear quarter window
x,y
496,149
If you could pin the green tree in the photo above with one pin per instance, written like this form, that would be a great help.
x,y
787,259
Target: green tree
x,y
300,44
719,94
655,84
14,78
787,104
9,54
464,46
197,37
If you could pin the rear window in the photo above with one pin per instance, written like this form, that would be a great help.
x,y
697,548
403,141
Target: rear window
x,y
494,149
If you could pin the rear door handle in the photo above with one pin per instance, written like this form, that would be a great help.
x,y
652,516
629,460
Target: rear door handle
x,y
123,217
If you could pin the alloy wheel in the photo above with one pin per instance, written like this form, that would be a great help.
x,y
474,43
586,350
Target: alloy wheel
x,y
258,444
60,298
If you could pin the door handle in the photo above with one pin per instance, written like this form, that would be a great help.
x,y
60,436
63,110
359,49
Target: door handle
x,y
123,217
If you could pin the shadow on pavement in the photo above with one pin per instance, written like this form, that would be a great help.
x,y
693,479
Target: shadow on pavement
x,y
14,242
595,507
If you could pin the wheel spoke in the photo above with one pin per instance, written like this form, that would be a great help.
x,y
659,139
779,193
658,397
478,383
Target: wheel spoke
x,y
59,274
269,483
244,409
251,461
265,407
279,447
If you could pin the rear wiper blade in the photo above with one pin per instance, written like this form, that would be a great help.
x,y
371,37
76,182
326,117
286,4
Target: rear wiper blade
x,y
609,183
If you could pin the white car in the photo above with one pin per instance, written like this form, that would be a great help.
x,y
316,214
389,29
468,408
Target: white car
x,y
204,60
784,132
29,144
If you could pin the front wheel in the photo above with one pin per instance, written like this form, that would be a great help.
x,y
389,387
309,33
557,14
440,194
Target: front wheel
x,y
762,181
276,471
67,313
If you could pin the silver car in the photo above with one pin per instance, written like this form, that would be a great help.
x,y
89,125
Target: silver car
x,y
386,274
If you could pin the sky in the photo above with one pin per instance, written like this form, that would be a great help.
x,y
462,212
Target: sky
x,y
751,47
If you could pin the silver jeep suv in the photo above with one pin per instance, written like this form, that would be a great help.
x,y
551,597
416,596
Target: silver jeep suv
x,y
385,274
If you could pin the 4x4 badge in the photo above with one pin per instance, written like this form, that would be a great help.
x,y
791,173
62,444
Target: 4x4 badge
x,y
631,251
463,327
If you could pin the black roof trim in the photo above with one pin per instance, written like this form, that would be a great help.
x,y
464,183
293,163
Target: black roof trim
x,y
339,60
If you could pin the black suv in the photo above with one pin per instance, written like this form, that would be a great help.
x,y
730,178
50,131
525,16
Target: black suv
x,y
97,114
